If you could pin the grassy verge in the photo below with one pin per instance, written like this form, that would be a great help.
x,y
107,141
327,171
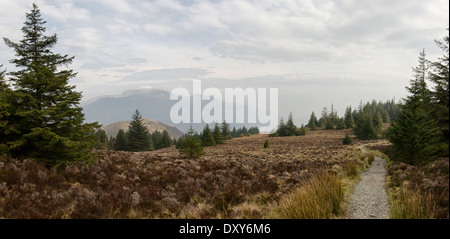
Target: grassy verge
x,y
412,204
324,196
320,198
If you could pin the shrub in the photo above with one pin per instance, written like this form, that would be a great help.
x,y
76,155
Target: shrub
x,y
191,146
347,140
266,144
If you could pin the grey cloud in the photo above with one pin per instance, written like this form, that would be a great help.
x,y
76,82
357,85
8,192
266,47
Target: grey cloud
x,y
167,74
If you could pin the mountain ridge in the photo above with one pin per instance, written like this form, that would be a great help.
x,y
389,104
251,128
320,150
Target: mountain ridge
x,y
152,126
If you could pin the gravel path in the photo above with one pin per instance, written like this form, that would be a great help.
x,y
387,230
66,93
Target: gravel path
x,y
369,199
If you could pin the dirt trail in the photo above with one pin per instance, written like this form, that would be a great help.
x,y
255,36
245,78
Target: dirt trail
x,y
369,199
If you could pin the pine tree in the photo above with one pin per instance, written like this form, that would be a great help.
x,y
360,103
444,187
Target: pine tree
x,y
440,95
378,122
207,136
329,125
440,74
266,144
234,133
5,112
111,142
190,146
138,138
302,130
244,130
364,128
349,121
347,140
418,86
414,137
217,134
157,140
166,141
102,139
324,118
291,128
312,123
50,127
226,131
121,141
341,124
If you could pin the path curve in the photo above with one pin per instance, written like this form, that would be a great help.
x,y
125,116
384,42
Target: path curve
x,y
369,199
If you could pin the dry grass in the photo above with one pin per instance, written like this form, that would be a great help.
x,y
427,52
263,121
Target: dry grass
x,y
412,204
320,198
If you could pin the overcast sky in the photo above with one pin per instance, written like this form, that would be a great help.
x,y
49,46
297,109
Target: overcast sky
x,y
317,52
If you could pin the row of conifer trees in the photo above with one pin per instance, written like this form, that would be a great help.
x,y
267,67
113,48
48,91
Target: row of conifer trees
x,y
136,138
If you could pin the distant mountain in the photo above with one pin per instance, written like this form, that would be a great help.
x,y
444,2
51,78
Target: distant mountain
x,y
152,103
152,126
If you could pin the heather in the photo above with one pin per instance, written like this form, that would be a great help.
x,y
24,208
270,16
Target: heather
x,y
238,179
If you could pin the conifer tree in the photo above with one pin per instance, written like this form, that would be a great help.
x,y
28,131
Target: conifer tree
x,y
415,135
120,143
138,138
207,136
349,121
166,141
111,142
302,130
312,123
234,133
157,140
190,146
217,134
50,127
440,74
5,112
341,124
329,125
347,140
226,131
419,92
378,122
102,139
291,128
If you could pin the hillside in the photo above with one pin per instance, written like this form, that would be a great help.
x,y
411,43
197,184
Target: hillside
x,y
153,104
152,126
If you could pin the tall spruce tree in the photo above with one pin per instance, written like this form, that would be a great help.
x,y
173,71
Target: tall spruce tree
x,y
349,122
217,133
207,136
49,121
138,137
440,74
415,134
226,133
292,129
